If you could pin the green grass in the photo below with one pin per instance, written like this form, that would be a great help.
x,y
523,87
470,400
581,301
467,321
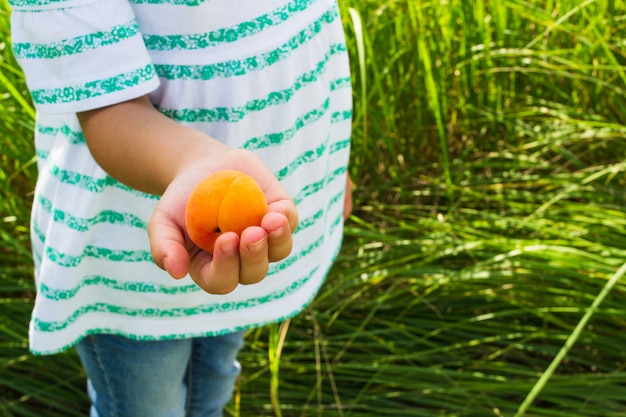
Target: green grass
x,y
481,270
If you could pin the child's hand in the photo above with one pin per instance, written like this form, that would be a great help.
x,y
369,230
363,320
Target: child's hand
x,y
140,147
236,259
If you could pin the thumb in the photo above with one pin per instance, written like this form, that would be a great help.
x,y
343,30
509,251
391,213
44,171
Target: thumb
x,y
167,244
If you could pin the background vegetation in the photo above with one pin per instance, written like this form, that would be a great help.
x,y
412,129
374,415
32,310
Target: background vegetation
x,y
481,270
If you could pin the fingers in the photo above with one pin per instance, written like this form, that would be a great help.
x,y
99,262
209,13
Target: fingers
x,y
243,260
288,209
253,251
259,246
235,261
218,273
279,236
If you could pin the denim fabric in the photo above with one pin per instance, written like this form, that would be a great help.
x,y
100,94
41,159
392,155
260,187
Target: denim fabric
x,y
172,378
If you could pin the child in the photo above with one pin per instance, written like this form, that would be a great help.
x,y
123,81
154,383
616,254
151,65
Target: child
x,y
137,101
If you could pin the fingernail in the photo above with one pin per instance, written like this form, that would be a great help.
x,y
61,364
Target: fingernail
x,y
256,246
278,230
230,246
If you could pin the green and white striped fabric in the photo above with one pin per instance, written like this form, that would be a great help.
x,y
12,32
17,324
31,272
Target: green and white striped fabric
x,y
271,76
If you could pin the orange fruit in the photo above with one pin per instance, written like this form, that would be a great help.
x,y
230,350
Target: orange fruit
x,y
226,201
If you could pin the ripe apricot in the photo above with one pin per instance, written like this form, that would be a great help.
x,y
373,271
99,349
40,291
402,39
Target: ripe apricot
x,y
226,201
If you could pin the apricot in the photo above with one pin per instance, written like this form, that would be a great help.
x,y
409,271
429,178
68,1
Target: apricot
x,y
226,201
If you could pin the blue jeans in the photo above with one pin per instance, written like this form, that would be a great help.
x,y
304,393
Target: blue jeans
x,y
172,378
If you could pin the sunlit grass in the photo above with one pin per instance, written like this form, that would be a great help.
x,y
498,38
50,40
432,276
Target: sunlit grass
x,y
489,158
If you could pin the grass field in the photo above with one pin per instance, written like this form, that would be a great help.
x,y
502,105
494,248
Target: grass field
x,y
482,269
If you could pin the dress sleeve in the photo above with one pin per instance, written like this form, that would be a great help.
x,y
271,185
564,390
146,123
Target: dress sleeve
x,y
80,55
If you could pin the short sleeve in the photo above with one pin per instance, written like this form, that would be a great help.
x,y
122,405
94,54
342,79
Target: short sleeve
x,y
79,55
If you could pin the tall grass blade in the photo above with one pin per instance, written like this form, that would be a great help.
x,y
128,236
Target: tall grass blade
x,y
359,35
569,343
423,55
25,105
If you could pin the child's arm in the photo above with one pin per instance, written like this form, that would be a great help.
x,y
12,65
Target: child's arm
x,y
145,150
347,198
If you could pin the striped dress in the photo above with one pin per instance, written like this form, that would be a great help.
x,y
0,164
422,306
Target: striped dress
x,y
270,76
